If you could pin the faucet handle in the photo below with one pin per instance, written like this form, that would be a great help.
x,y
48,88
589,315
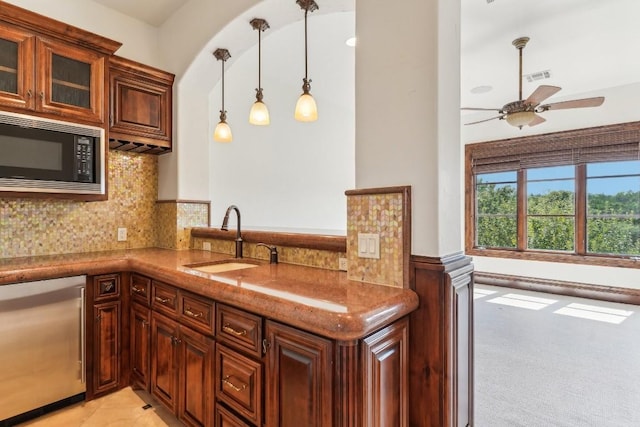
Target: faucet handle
x,y
273,252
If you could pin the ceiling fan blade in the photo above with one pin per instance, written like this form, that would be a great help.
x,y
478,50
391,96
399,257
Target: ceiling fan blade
x,y
537,120
541,93
486,120
576,103
481,109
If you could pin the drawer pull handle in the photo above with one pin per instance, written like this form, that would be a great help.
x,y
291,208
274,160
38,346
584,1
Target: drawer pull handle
x,y
227,328
137,289
188,312
228,383
163,300
108,286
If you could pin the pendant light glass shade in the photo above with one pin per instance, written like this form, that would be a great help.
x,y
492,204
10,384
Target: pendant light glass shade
x,y
306,108
222,133
259,114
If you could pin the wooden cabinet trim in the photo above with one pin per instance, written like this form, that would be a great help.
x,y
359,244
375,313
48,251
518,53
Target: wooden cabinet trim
x,y
43,25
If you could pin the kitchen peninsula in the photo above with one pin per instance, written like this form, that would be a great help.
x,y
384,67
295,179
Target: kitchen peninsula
x,y
275,333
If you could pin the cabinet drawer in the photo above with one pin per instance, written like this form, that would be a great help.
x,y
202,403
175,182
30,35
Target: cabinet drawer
x,y
141,289
239,329
106,287
197,312
239,383
225,418
164,298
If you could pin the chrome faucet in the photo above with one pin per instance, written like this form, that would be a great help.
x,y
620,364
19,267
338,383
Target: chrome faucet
x,y
225,227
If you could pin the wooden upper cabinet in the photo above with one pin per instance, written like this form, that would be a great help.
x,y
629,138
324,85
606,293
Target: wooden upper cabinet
x,y
140,107
70,81
16,68
50,68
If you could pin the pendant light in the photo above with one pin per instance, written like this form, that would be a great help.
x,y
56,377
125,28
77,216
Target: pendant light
x,y
223,131
259,114
306,109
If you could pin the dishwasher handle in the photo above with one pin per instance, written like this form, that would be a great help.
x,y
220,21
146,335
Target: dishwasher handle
x,y
83,336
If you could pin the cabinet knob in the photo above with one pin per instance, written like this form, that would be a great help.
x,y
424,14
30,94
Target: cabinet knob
x,y
42,96
29,93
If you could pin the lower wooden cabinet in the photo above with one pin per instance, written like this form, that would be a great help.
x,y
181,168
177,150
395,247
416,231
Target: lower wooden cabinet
x,y
225,418
385,381
223,366
182,370
140,332
103,335
195,377
106,343
164,360
299,379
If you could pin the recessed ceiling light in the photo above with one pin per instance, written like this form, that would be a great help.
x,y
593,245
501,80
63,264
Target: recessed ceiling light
x,y
481,89
351,42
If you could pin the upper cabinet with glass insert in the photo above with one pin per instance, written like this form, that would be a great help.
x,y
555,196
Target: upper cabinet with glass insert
x,y
51,68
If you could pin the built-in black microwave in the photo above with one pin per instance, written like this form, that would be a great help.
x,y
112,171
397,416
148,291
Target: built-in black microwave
x,y
50,156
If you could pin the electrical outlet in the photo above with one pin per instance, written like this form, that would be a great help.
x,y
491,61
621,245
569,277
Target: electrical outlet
x,y
206,246
122,234
342,264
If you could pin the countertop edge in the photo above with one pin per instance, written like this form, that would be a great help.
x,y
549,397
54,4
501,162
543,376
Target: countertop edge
x,y
339,326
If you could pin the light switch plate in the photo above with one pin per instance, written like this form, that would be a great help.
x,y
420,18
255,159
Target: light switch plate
x,y
369,245
122,234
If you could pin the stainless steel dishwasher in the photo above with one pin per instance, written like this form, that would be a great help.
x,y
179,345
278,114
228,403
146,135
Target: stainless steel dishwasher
x,y
42,343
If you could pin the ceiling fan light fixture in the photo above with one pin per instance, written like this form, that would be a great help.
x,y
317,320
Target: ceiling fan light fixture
x,y
520,118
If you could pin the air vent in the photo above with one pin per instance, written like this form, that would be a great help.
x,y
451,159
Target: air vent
x,y
539,75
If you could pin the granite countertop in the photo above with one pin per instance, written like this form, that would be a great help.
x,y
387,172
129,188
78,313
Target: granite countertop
x,y
321,301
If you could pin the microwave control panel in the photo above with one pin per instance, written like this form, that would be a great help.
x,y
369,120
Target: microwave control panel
x,y
84,159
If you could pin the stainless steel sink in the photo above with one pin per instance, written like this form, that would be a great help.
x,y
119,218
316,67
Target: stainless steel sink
x,y
222,266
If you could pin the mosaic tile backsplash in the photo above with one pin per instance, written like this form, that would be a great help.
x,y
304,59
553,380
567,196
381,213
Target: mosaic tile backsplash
x,y
289,255
175,219
382,214
42,227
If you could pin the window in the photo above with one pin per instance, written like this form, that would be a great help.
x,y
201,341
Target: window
x,y
569,196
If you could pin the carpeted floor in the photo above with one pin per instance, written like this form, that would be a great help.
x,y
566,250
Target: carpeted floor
x,y
538,367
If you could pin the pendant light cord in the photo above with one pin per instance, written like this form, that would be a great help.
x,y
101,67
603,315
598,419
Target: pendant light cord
x,y
222,88
259,59
306,11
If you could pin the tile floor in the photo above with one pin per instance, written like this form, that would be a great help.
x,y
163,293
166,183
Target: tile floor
x,y
120,409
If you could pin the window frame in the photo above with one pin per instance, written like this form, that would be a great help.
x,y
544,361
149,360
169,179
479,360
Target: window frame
x,y
576,147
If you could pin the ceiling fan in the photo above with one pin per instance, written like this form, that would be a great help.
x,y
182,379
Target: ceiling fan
x,y
526,111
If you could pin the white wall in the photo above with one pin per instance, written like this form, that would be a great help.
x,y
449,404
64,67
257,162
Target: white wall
x,y
407,100
288,175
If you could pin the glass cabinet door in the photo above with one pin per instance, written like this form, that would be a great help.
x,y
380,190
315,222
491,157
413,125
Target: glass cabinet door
x,y
16,68
71,81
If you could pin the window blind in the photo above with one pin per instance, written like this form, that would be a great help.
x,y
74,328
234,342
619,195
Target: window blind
x,y
598,144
